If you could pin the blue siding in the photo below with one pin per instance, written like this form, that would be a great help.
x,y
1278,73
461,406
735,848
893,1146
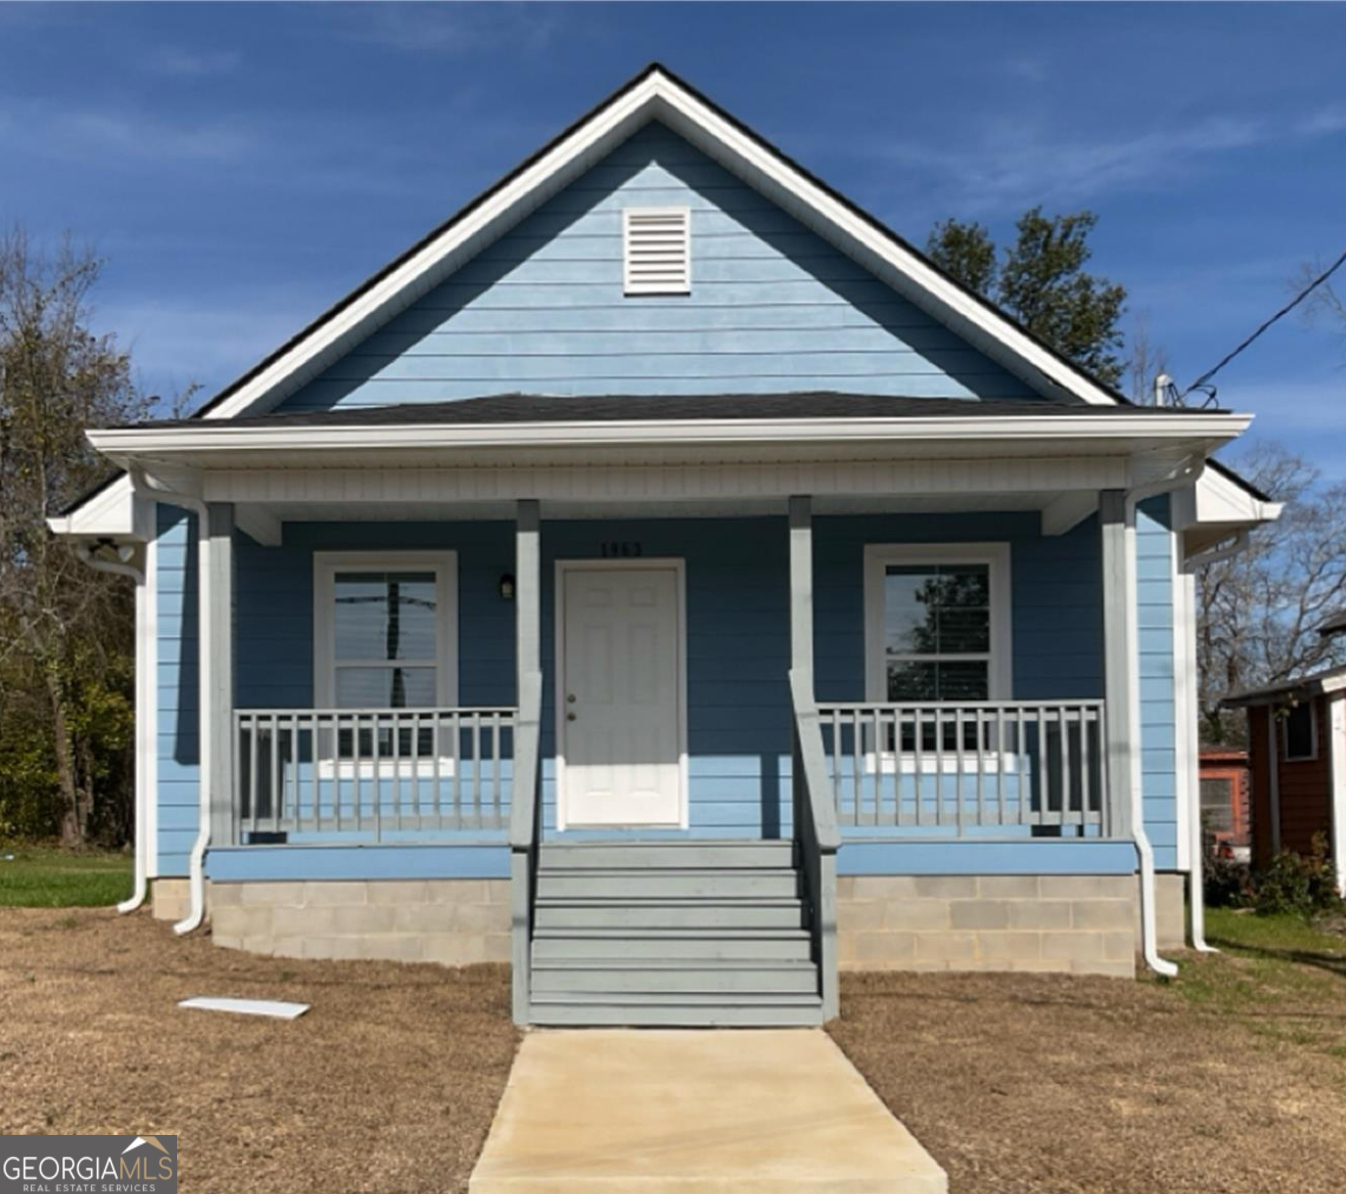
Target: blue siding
x,y
1158,717
178,690
1055,597
773,307
738,652
258,864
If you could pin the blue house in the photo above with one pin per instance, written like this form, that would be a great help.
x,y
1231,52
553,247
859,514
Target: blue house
x,y
664,579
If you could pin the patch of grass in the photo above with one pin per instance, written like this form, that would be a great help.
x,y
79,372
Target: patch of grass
x,y
1279,976
42,877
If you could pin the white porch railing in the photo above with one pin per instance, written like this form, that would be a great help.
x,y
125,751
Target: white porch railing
x,y
370,774
969,768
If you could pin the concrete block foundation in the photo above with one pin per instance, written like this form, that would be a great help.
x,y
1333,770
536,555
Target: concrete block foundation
x,y
455,922
1078,924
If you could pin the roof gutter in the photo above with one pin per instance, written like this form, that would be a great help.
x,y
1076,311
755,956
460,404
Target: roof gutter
x,y
196,911
1187,473
124,443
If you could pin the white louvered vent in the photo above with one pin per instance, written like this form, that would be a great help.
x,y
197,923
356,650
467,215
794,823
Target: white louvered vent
x,y
656,250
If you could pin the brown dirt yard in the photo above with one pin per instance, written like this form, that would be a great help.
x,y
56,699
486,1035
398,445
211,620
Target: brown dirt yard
x,y
388,1084
1229,1080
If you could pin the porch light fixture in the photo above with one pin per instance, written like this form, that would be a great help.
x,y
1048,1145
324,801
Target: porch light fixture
x,y
507,587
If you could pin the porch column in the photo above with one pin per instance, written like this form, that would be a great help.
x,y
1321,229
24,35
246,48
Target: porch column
x,y
528,589
801,586
1119,655
216,640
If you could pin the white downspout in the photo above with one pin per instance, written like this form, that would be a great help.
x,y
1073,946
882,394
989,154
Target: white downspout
x,y
1196,896
1186,474
123,567
196,912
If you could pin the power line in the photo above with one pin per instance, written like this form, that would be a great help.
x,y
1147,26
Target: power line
x,y
1201,382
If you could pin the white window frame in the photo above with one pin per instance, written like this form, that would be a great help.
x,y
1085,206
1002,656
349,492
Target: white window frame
x,y
326,566
999,670
1311,704
632,285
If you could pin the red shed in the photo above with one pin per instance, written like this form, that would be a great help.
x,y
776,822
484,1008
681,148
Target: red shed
x,y
1297,753
1226,795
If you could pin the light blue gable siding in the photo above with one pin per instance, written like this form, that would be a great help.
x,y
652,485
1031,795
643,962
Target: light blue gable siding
x,y
176,757
1158,717
772,307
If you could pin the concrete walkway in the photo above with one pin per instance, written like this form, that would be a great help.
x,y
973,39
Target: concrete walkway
x,y
650,1111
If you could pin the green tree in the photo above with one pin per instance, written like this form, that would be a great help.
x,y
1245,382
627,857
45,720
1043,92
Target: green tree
x,y
1040,280
66,631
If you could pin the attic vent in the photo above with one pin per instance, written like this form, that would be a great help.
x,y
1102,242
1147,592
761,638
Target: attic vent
x,y
656,250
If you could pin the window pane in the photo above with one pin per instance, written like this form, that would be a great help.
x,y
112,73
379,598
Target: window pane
x,y
963,680
385,615
385,687
1217,805
1299,732
937,609
912,682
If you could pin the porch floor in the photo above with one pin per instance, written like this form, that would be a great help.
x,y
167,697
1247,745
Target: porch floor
x,y
768,1111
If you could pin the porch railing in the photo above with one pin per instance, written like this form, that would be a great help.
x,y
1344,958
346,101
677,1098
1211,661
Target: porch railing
x,y
370,774
974,767
815,827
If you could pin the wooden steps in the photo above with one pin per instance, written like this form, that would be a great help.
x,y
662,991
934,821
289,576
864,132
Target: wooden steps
x,y
683,933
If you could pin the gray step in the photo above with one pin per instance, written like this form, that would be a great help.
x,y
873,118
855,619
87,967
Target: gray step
x,y
782,1011
665,855
668,914
633,884
614,977
577,944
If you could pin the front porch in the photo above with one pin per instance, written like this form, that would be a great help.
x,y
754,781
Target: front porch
x,y
702,668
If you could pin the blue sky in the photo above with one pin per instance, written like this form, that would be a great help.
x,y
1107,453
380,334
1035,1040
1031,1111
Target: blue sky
x,y
241,167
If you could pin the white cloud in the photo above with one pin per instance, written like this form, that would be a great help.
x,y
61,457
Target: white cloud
x,y
1016,161
182,62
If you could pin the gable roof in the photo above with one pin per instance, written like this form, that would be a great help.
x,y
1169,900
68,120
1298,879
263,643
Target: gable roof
x,y
656,93
1320,683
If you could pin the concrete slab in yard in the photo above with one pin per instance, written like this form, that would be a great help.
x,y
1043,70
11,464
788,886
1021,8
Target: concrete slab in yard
x,y
650,1111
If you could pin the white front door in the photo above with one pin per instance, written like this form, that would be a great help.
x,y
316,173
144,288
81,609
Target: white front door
x,y
620,696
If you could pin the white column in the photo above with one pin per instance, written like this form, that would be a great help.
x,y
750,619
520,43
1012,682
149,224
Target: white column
x,y
801,586
1119,655
217,639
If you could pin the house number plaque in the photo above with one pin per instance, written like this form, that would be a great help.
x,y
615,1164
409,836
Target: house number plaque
x,y
622,549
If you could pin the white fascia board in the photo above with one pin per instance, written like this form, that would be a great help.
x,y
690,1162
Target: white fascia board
x,y
108,514
165,442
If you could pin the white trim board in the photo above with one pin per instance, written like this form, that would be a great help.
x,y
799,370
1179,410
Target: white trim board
x,y
326,564
1000,670
679,567
1336,722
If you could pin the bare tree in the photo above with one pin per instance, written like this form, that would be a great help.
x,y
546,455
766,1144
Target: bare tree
x,y
64,629
1259,611
1146,360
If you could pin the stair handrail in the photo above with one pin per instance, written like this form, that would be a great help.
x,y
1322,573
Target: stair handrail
x,y
815,820
523,836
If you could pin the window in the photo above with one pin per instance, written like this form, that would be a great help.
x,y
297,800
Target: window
x,y
1217,804
385,630
1299,736
656,250
937,623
